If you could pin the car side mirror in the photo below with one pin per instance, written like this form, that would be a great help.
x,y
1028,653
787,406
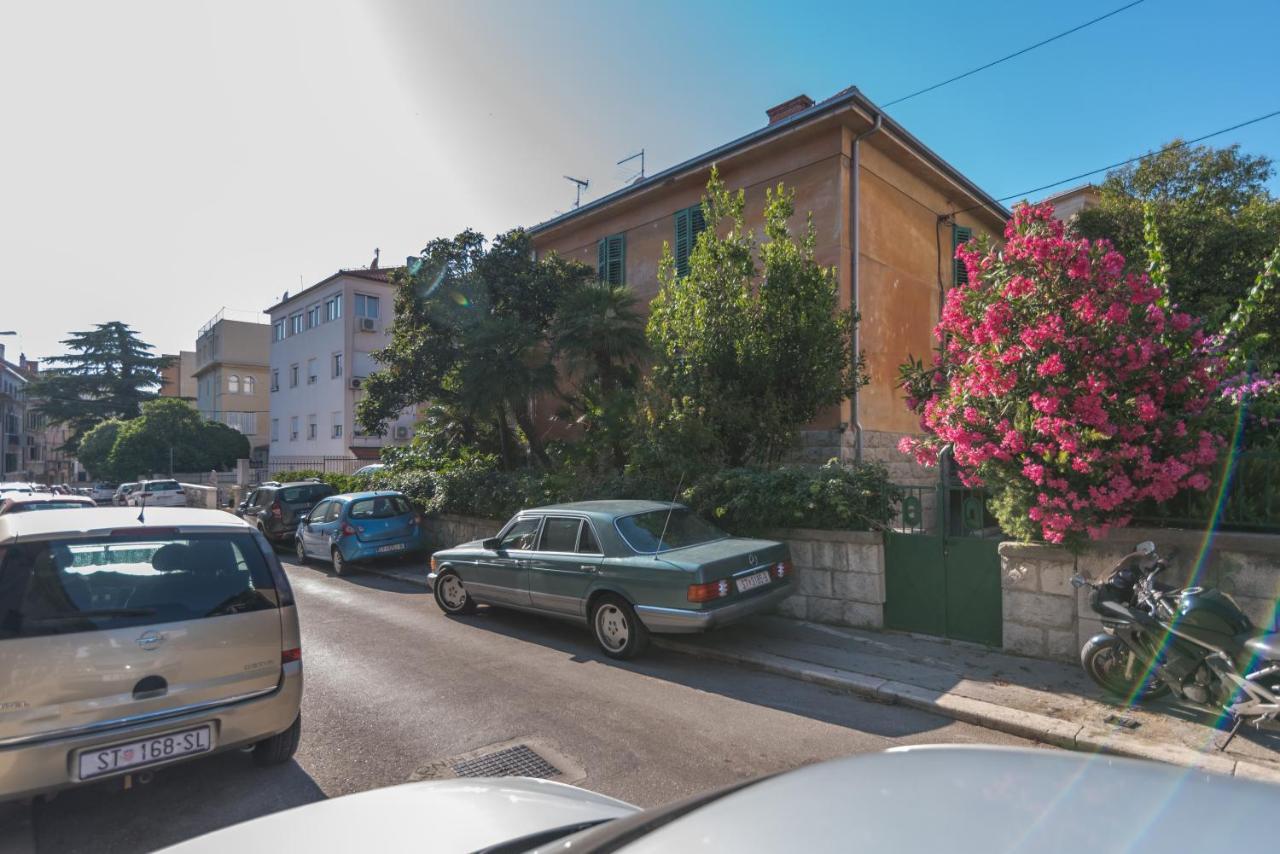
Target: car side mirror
x,y
491,543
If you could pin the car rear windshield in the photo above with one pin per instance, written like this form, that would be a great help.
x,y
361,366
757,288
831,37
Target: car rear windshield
x,y
28,506
644,530
305,494
162,485
80,585
379,507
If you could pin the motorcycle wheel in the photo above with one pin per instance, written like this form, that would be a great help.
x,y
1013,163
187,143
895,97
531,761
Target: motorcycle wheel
x,y
1105,660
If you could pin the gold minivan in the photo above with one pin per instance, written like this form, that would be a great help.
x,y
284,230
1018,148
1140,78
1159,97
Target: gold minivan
x,y
130,640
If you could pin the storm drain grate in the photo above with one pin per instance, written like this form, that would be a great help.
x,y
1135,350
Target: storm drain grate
x,y
518,761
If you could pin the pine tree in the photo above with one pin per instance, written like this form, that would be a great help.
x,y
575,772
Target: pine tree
x,y
108,373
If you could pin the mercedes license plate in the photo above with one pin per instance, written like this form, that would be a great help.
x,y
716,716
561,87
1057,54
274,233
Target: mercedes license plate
x,y
752,581
97,761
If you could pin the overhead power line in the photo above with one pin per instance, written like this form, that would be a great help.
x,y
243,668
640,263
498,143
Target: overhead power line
x,y
1172,147
1015,54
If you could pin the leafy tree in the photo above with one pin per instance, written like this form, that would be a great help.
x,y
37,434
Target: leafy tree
x,y
170,426
1217,221
747,352
472,335
108,373
95,447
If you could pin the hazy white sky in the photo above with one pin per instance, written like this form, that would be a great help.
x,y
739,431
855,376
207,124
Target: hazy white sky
x,y
161,160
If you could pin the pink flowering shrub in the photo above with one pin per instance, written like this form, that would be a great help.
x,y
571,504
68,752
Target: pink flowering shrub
x,y
1071,391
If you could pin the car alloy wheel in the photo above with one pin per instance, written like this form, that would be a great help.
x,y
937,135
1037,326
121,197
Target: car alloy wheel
x,y
340,566
617,628
301,552
451,595
613,630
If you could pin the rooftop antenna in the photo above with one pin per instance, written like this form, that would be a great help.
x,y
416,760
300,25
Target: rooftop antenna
x,y
667,521
581,185
639,177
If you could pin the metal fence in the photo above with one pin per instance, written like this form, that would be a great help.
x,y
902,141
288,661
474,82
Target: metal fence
x,y
1250,500
324,465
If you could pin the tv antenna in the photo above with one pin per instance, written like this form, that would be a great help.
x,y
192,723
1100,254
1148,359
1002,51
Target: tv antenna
x,y
581,185
633,157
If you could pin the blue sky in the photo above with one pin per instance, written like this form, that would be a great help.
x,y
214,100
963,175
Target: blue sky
x,y
163,160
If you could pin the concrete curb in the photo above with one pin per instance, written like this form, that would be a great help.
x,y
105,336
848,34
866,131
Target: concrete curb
x,y
1060,733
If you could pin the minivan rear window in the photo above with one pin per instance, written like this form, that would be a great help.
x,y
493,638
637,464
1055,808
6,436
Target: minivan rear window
x,y
80,585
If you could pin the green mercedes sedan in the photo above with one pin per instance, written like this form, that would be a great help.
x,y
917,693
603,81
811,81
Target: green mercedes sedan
x,y
625,568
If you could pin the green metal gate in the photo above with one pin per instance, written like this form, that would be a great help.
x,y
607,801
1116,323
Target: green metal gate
x,y
942,569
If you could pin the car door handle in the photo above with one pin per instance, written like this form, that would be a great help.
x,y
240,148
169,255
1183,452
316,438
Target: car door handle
x,y
587,567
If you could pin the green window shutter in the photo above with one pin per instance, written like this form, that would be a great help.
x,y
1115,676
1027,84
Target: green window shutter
x,y
959,236
611,259
689,224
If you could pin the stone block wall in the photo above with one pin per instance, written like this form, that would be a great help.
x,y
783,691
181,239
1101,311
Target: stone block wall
x,y
446,531
1046,617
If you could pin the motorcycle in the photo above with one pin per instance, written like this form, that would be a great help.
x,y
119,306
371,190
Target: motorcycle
x,y
1193,642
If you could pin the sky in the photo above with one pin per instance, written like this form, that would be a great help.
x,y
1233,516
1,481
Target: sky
x,y
162,160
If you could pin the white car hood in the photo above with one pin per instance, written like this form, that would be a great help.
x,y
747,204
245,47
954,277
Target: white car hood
x,y
443,816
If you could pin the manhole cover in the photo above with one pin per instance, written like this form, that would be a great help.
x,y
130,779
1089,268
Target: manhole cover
x,y
518,761
520,757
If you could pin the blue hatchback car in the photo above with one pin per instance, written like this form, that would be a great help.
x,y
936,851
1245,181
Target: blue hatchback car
x,y
359,526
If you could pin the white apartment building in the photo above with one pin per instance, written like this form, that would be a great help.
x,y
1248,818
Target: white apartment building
x,y
321,344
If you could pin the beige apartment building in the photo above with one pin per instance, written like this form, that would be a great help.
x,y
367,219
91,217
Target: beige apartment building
x,y
232,359
178,378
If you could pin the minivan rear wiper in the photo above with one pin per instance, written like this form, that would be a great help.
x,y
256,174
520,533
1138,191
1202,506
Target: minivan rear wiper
x,y
90,614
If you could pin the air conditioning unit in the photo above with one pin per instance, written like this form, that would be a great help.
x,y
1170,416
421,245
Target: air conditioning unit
x,y
356,382
368,324
402,432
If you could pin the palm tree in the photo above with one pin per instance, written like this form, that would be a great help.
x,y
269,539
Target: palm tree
x,y
600,334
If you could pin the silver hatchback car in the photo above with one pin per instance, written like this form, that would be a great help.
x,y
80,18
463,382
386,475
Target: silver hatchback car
x,y
126,645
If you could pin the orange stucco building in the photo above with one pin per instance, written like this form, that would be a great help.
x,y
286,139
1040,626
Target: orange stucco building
x,y
887,211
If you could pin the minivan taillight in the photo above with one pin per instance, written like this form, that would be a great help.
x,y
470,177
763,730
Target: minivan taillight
x,y
288,655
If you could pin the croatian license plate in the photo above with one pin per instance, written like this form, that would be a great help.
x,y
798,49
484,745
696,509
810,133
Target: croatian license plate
x,y
98,761
397,547
751,582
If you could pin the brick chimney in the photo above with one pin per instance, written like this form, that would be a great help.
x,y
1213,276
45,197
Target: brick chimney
x,y
787,109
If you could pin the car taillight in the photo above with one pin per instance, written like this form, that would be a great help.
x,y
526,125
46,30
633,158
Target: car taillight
x,y
288,655
782,569
708,592
348,531
276,510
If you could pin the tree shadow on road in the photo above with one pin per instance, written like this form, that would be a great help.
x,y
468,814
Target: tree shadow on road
x,y
728,680
180,802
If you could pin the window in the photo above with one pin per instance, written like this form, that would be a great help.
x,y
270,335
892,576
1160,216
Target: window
x,y
275,379
560,534
366,306
277,331
313,316
309,494
248,384
333,307
521,536
379,507
233,384
293,376
311,371
587,543
611,259
959,236
689,224
644,531
293,428
245,422
337,364
334,510
337,425
311,426
295,323
275,429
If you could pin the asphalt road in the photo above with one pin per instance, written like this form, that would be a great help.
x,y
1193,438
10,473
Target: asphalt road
x,y
393,686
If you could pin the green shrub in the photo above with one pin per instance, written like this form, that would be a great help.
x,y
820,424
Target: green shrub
x,y
753,500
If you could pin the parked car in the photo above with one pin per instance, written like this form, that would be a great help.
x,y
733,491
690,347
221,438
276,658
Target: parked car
x,y
372,468
962,800
157,493
625,568
26,502
127,645
103,492
246,503
17,487
359,526
277,509
123,491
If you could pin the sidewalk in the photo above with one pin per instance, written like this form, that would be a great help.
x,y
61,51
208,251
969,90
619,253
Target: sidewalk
x,y
1045,701
1042,700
